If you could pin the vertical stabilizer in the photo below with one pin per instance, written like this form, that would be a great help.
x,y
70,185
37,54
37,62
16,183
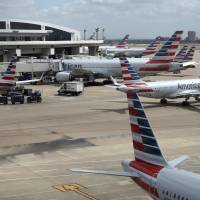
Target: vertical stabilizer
x,y
146,148
123,42
11,70
167,52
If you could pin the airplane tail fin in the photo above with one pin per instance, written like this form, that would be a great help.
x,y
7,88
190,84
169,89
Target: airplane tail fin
x,y
146,149
123,42
11,70
190,54
129,74
181,54
153,47
167,52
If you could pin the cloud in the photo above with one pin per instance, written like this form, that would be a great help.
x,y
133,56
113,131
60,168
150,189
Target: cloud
x,y
140,18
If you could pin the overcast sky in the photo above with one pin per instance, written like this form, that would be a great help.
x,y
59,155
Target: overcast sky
x,y
139,18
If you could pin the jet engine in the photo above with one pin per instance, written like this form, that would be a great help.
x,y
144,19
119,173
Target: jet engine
x,y
176,67
63,76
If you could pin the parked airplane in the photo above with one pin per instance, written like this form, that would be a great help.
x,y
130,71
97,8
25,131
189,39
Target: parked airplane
x,y
163,90
186,56
121,44
162,61
8,81
134,52
162,180
181,54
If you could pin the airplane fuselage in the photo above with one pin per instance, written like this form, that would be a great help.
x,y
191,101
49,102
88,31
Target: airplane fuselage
x,y
170,89
6,84
166,183
111,67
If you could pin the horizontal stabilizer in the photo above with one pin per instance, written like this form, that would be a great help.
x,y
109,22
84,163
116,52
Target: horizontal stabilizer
x,y
178,161
115,83
107,172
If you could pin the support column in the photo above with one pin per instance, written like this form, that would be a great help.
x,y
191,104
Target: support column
x,y
93,50
18,52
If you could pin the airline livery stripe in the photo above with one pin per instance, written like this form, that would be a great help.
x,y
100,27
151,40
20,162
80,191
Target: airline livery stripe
x,y
137,145
135,128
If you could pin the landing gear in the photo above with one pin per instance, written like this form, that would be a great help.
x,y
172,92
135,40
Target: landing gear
x,y
185,103
163,101
197,98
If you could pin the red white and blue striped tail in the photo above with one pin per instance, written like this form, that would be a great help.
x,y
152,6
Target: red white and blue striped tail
x,y
153,47
190,54
11,70
167,52
146,148
129,74
181,54
123,42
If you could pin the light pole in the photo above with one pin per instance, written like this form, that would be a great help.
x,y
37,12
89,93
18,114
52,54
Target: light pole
x,y
103,32
97,33
84,34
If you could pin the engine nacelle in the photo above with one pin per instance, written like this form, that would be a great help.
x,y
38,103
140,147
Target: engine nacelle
x,y
63,76
174,67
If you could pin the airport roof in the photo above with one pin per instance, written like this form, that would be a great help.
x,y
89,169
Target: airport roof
x,y
52,43
67,29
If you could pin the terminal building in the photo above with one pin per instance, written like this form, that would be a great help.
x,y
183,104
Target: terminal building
x,y
39,39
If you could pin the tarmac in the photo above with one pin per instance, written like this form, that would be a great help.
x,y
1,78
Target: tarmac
x,y
40,143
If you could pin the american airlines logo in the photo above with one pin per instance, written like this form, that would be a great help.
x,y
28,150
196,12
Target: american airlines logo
x,y
69,66
189,86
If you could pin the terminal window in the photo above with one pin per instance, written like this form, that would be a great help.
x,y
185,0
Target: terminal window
x,y
2,25
57,34
24,26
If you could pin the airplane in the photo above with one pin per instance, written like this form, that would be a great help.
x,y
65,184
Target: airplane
x,y
134,52
162,61
161,179
121,44
186,56
170,89
190,54
8,81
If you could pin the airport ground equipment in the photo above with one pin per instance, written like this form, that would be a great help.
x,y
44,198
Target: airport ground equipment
x,y
73,88
16,97
33,96
3,100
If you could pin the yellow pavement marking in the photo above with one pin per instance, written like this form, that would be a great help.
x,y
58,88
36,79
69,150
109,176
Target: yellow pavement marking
x,y
75,187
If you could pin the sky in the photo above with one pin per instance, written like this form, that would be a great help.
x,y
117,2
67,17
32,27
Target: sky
x,y
139,18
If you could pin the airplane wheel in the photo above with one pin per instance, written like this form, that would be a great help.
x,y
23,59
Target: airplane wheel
x,y
185,103
163,101
197,99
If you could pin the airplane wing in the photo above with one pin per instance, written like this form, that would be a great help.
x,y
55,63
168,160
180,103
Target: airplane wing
x,y
189,64
29,81
186,93
107,172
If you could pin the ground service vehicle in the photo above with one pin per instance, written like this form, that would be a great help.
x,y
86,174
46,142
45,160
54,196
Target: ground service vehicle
x,y
73,88
16,97
3,99
33,96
